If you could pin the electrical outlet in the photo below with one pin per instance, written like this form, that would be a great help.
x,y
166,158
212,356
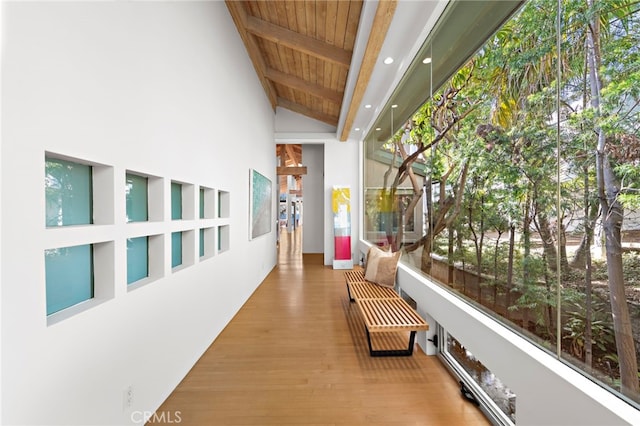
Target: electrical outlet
x,y
127,398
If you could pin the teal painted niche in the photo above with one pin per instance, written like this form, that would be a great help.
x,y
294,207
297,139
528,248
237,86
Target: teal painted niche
x,y
68,276
137,259
176,249
176,201
137,198
68,193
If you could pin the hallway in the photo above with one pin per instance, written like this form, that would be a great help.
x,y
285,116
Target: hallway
x,y
296,354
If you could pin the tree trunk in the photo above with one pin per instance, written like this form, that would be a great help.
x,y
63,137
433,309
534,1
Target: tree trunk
x,y
588,237
612,224
548,240
612,215
584,249
512,243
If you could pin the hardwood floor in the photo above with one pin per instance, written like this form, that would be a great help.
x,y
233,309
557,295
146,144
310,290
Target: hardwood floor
x,y
296,354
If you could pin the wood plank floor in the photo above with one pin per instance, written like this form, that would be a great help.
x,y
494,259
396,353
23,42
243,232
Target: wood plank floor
x,y
296,354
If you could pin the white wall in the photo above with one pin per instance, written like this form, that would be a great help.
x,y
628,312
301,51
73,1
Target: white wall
x,y
547,391
164,88
313,199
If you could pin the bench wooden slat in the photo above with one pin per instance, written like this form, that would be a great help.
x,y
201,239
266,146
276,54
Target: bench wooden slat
x,y
367,290
390,315
357,275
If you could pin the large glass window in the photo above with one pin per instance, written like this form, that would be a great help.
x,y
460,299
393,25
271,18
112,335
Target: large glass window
x,y
520,190
68,193
501,398
69,276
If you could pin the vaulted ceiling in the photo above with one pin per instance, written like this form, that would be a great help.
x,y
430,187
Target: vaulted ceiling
x,y
303,51
360,65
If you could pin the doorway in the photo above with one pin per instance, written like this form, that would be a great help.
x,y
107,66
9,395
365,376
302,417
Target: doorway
x,y
300,199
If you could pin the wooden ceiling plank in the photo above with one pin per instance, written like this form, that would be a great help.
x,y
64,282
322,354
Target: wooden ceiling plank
x,y
381,22
301,109
239,15
302,85
280,13
330,23
296,41
291,10
353,22
342,14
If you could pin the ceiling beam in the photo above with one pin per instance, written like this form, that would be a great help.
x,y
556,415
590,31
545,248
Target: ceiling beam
x,y
239,15
303,85
292,155
297,41
381,23
301,109
291,171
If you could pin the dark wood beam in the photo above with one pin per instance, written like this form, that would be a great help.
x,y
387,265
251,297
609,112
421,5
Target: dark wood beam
x,y
297,41
291,155
303,85
291,171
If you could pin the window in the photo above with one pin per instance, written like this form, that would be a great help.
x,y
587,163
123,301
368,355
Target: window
x,y
137,259
137,198
68,193
509,210
176,249
69,276
201,241
176,201
502,399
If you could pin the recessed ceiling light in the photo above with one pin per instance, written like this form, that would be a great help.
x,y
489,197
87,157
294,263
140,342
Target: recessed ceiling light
x,y
367,106
357,129
426,61
394,106
378,129
388,60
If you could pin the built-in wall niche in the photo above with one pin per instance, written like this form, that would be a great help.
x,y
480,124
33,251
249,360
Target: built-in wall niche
x,y
145,260
144,197
207,242
183,249
223,238
77,192
207,203
77,278
182,201
224,204
78,270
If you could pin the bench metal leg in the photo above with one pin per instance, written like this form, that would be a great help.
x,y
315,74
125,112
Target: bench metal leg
x,y
391,352
351,299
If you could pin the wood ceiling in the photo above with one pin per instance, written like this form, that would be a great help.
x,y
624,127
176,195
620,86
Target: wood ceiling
x,y
302,51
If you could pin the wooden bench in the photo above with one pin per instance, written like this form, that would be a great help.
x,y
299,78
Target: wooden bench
x,y
383,311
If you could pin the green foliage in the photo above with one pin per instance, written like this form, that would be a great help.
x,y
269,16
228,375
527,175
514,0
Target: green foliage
x,y
602,335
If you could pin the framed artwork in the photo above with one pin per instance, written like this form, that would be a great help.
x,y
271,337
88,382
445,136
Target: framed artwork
x,y
260,204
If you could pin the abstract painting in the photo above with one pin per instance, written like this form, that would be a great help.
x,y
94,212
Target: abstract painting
x,y
260,204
